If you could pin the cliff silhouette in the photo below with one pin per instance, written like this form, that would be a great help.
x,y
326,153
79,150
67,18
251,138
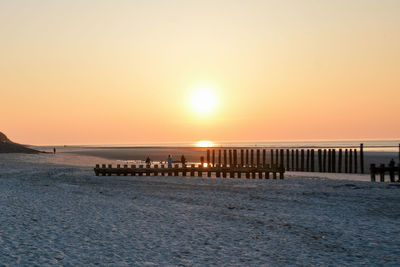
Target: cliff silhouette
x,y
7,146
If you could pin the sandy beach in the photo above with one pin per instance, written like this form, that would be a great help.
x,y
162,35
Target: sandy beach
x,y
56,212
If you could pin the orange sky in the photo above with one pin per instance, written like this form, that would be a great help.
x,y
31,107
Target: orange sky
x,y
117,72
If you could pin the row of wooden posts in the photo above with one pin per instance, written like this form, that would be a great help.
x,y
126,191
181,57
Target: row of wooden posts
x,y
329,160
382,169
184,170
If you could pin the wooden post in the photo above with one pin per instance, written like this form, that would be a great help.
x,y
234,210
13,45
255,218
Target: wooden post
x,y
225,159
97,169
362,158
281,171
308,161
391,171
241,157
176,172
351,161
200,171
372,171
329,160
340,161
258,157
312,161
162,171
297,160
148,170
247,157
208,171
272,157
324,161
183,169
319,160
217,172
252,158
264,160
141,169
398,172
208,157
287,159
355,161
333,160
282,158
213,157
293,168
346,161
192,166
302,161
232,174
110,167
277,157
382,172
103,166
156,170
235,162
267,171
219,157
224,171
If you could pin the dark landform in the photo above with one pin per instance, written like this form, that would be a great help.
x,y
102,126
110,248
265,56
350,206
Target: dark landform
x,y
7,146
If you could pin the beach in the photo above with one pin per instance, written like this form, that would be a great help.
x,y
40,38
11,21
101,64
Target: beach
x,y
56,212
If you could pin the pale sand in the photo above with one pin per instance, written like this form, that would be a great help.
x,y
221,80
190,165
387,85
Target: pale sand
x,y
54,214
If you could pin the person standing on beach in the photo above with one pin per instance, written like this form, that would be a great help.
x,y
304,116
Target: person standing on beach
x,y
148,160
183,160
54,150
169,160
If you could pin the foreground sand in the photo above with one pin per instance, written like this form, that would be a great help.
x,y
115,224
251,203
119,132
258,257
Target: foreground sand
x,y
55,214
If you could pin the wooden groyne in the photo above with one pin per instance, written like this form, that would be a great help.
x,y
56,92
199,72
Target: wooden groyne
x,y
300,160
391,169
251,162
232,171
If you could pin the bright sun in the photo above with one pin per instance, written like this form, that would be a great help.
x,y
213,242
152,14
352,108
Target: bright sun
x,y
203,101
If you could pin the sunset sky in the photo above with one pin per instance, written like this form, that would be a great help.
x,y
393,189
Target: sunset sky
x,y
118,72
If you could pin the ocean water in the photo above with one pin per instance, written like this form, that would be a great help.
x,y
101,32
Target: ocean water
x,y
369,145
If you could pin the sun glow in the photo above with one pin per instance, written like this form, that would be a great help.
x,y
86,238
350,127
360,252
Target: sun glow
x,y
203,101
204,143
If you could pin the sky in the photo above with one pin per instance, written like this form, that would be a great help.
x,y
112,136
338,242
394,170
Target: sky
x,y
127,72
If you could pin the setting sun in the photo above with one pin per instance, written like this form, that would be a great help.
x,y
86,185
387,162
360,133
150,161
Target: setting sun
x,y
203,101
204,143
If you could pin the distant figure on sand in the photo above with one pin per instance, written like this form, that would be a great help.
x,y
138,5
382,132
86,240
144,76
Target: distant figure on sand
x,y
54,150
392,163
169,160
148,161
183,159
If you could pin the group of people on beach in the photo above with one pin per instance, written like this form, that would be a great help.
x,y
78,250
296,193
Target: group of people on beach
x,y
169,160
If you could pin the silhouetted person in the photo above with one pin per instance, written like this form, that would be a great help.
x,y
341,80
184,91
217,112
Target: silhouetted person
x,y
54,150
169,160
183,160
392,163
148,161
